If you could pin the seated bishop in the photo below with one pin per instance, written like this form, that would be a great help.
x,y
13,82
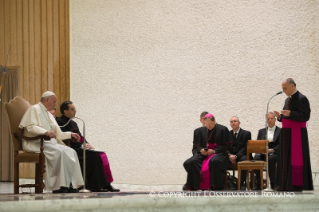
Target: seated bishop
x,y
98,171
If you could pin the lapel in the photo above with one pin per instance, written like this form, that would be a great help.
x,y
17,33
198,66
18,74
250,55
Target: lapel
x,y
276,134
231,133
263,134
239,135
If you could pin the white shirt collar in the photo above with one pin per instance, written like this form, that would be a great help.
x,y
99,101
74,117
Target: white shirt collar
x,y
237,131
272,128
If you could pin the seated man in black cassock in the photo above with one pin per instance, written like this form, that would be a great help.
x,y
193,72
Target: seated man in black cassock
x,y
238,148
273,138
206,169
197,130
98,172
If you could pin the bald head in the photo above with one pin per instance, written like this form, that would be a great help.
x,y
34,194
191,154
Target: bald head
x,y
289,86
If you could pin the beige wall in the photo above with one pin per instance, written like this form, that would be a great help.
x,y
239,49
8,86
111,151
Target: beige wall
x,y
143,71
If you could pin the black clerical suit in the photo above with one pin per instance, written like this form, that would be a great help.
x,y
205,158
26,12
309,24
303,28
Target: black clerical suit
x,y
299,108
272,158
196,134
95,177
217,164
238,147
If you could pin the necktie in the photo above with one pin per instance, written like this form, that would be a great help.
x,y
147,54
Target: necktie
x,y
235,138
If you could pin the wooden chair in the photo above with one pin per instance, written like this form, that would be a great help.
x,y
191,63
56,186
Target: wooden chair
x,y
16,109
253,146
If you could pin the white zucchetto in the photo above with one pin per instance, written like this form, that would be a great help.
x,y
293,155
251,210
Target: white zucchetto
x,y
47,93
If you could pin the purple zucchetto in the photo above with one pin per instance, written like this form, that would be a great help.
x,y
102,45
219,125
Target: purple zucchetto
x,y
209,115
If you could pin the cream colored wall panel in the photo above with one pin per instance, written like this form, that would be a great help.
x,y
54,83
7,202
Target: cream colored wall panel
x,y
143,71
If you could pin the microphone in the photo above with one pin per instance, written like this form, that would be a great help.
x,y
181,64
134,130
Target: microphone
x,y
84,190
267,142
280,92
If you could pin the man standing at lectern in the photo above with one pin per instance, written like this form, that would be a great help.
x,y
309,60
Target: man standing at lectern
x,y
273,135
294,168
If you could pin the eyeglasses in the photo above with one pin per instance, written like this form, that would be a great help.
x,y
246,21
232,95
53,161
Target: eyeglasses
x,y
233,121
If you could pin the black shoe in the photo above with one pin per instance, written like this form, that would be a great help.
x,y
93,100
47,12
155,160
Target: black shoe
x,y
73,190
184,187
111,188
104,190
61,190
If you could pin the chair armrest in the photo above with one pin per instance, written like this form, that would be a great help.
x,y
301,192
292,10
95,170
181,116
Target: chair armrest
x,y
41,137
33,138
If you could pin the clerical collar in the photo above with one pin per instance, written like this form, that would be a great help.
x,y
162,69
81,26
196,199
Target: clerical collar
x,y
272,128
65,117
293,94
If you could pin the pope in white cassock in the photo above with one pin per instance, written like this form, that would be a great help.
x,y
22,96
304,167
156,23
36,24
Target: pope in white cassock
x,y
62,164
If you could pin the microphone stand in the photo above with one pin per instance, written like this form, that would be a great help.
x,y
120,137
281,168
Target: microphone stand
x,y
268,189
84,159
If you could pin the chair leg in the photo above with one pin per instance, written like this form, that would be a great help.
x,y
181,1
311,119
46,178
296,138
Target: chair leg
x,y
16,178
226,184
247,180
253,178
239,173
261,178
37,178
42,171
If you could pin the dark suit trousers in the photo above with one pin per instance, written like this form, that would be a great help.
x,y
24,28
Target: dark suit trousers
x,y
272,161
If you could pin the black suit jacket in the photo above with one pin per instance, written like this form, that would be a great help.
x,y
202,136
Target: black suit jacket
x,y
299,108
262,136
222,139
196,135
239,148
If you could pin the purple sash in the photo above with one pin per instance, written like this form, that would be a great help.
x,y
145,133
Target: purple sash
x,y
106,167
205,173
105,164
296,150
